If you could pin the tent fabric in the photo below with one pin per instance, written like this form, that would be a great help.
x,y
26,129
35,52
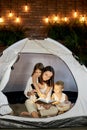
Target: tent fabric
x,y
78,112
23,70
4,106
63,123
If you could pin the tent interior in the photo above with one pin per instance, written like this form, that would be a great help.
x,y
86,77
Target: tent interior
x,y
22,70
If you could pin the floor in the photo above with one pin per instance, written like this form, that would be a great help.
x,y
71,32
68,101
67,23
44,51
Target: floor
x,y
18,108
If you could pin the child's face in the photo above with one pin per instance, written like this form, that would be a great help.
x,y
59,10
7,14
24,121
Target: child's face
x,y
57,88
38,72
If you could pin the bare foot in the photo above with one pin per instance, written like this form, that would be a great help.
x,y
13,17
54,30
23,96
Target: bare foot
x,y
24,113
35,114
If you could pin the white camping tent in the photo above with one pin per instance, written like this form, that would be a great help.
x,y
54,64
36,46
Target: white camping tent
x,y
16,64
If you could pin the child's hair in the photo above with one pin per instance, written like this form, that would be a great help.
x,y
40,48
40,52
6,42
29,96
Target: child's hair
x,y
39,66
49,82
60,83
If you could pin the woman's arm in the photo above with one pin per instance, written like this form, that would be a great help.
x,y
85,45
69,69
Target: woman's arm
x,y
66,98
37,87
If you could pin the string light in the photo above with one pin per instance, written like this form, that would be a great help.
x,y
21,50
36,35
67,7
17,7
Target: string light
x,y
1,20
10,14
75,14
82,19
26,8
46,20
17,20
65,19
55,19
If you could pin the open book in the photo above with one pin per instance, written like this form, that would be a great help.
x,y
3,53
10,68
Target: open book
x,y
42,100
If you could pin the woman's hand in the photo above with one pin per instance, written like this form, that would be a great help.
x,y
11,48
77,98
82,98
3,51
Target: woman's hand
x,y
42,95
47,106
56,103
31,93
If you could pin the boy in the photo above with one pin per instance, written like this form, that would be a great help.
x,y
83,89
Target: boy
x,y
60,104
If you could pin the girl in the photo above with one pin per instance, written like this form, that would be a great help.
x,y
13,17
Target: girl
x,y
30,90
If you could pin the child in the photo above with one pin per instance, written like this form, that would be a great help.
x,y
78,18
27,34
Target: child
x,y
30,91
60,101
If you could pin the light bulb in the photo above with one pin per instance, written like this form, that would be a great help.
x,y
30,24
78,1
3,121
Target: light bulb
x,y
26,8
47,20
10,14
1,20
75,14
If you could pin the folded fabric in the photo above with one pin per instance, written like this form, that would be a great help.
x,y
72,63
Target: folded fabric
x,y
4,106
52,111
5,109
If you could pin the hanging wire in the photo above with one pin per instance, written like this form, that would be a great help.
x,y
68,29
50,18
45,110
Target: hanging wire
x,y
10,6
1,19
83,7
0,9
56,7
17,9
75,6
26,5
47,19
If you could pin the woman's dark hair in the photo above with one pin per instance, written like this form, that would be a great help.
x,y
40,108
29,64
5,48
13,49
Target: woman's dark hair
x,y
49,82
39,66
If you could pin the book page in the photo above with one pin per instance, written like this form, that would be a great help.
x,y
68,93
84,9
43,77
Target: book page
x,y
44,100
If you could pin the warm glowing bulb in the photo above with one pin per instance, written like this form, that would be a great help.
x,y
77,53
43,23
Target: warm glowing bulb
x,y
65,19
26,8
82,19
75,14
10,14
55,18
46,20
1,20
17,20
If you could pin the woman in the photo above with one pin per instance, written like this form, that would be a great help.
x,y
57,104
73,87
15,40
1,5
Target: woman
x,y
46,82
43,87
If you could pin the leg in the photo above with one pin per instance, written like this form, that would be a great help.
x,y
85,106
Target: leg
x,y
24,113
35,114
31,108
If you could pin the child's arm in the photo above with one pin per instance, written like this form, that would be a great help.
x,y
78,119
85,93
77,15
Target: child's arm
x,y
53,98
31,92
38,90
66,98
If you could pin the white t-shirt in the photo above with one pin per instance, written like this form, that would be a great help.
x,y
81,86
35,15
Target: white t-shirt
x,y
55,97
28,87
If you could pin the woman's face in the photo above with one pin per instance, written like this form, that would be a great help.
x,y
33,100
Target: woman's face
x,y
47,75
38,72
